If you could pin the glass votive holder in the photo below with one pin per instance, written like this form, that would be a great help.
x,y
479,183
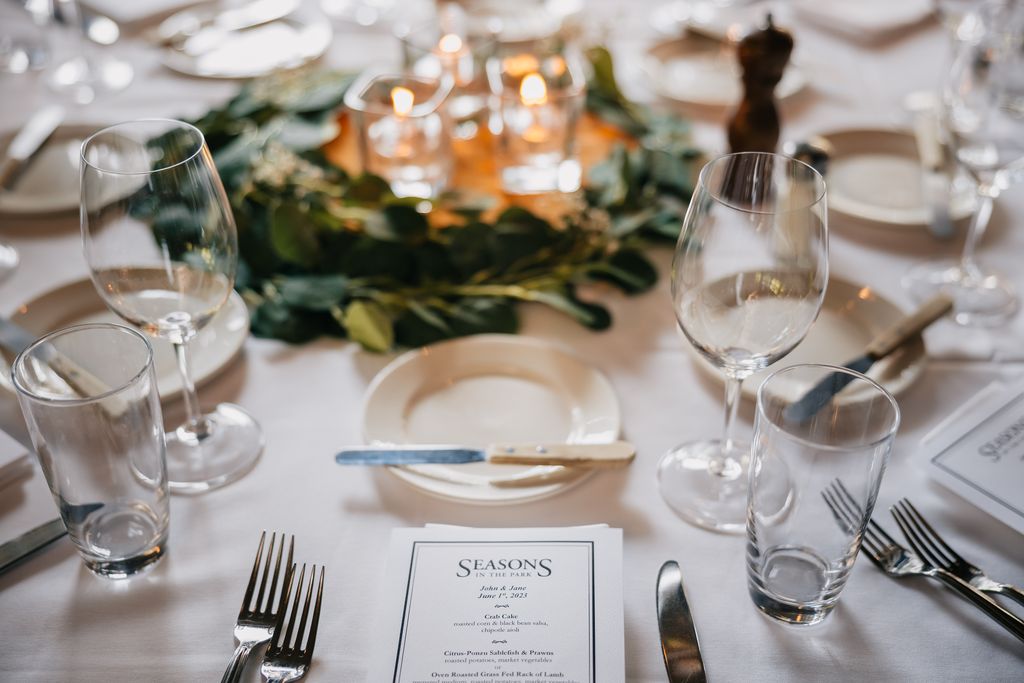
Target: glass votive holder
x,y
539,99
403,130
429,51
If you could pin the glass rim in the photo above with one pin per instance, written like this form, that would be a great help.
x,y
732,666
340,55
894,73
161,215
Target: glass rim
x,y
889,433
124,124
702,181
47,338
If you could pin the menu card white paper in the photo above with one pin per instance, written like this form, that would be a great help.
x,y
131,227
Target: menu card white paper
x,y
980,453
510,605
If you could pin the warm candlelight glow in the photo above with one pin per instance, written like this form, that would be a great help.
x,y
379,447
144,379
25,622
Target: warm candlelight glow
x,y
402,100
450,43
533,90
517,65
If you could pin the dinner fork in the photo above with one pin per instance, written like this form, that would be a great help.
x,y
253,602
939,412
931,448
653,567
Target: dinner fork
x,y
286,659
938,552
898,562
256,621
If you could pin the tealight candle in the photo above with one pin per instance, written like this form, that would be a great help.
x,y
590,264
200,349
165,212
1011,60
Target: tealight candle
x,y
540,102
403,131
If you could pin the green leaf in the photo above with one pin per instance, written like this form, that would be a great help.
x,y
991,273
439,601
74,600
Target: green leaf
x,y
276,320
420,325
300,134
594,316
630,270
479,315
398,223
293,235
312,292
368,189
369,325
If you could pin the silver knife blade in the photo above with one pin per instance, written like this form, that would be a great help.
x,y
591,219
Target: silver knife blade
x,y
608,454
24,546
679,643
27,142
14,337
416,455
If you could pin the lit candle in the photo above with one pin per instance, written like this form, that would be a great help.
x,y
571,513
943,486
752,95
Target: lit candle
x,y
402,100
533,93
455,58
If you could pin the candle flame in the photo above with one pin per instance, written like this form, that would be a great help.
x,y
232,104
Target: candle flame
x,y
517,65
533,90
402,100
450,43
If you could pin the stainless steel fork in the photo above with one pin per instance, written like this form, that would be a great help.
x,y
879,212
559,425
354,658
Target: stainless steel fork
x,y
287,659
898,562
933,548
256,621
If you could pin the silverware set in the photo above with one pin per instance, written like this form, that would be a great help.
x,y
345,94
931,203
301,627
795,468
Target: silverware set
x,y
282,622
928,556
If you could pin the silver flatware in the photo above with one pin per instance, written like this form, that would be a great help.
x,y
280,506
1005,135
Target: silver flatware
x,y
27,142
927,543
935,181
288,658
881,346
899,562
589,455
29,543
257,620
679,644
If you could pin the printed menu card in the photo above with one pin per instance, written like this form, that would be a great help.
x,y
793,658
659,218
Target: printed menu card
x,y
512,605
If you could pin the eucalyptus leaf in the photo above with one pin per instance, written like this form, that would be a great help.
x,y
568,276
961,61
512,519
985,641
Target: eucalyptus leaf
x,y
293,236
312,292
369,325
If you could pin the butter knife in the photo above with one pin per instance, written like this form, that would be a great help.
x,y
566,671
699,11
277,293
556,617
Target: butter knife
x,y
27,142
589,455
880,347
679,643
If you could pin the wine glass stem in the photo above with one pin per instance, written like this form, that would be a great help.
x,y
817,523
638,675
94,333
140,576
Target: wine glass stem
x,y
979,221
732,402
196,426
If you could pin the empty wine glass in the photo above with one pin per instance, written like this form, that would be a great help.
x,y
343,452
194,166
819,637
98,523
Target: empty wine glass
x,y
984,98
162,249
748,279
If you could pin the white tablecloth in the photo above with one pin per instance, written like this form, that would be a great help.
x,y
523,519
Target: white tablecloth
x,y
59,623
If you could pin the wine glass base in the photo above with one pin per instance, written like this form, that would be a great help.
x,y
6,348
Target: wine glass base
x,y
707,485
9,260
979,299
232,447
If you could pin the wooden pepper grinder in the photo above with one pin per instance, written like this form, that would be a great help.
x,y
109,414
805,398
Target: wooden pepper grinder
x,y
763,55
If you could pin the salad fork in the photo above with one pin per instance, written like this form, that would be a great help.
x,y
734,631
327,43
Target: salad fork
x,y
938,552
898,562
256,621
286,659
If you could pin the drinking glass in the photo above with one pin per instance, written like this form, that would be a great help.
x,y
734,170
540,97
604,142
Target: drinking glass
x,y
798,557
984,99
162,250
89,397
81,67
748,279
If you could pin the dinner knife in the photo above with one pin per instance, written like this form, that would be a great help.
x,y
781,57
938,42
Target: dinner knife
x,y
27,142
588,455
935,181
679,643
880,347
29,543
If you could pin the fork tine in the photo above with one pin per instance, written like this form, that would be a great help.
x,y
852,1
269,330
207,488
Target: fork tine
x,y
258,607
252,577
942,551
911,535
868,543
286,643
289,583
305,611
271,607
873,526
316,616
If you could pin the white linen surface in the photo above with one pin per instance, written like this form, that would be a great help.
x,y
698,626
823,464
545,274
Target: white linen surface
x,y
15,461
59,623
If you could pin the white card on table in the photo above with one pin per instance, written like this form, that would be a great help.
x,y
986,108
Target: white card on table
x,y
980,454
15,461
513,605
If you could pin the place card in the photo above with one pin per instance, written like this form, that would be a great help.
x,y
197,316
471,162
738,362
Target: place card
x,y
979,453
512,605
15,461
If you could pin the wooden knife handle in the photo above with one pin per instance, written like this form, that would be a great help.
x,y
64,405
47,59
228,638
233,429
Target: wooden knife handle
x,y
589,455
913,324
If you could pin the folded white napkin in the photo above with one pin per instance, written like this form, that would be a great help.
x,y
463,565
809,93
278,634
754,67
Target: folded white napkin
x,y
128,12
864,20
15,461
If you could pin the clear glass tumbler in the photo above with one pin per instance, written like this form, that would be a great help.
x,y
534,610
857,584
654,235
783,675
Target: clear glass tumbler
x,y
89,397
798,557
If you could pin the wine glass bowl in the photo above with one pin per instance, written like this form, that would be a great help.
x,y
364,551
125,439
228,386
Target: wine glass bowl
x,y
162,249
748,280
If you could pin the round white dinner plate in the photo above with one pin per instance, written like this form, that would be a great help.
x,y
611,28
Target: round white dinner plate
x,y
851,316
212,349
698,70
486,389
287,43
876,175
50,183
